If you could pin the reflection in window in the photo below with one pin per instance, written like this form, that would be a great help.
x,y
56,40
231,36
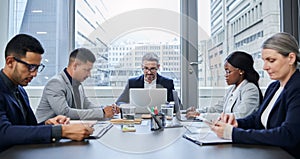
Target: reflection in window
x,y
42,19
125,39
245,27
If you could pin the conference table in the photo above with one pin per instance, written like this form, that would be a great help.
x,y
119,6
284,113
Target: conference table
x,y
143,143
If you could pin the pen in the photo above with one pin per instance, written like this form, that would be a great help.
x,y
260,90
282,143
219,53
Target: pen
x,y
110,125
155,110
191,139
149,110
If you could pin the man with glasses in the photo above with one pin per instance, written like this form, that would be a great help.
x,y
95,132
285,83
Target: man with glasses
x,y
64,93
18,125
150,79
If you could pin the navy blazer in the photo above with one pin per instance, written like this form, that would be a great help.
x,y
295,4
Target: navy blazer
x,y
14,129
138,82
283,125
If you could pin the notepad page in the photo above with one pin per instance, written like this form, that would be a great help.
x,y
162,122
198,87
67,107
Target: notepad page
x,y
207,138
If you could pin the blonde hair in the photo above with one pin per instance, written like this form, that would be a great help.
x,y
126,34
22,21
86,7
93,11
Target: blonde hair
x,y
284,44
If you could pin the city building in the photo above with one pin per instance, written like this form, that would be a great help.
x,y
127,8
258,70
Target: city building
x,y
240,25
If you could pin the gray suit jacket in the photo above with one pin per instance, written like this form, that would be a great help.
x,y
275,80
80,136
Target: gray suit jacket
x,y
58,99
246,102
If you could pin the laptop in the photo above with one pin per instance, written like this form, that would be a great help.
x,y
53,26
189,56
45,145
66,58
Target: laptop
x,y
147,97
178,113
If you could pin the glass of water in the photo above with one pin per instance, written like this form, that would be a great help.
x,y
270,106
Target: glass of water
x,y
128,112
167,110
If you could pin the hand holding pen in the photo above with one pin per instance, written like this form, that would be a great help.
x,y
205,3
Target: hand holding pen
x,y
116,109
223,127
229,119
110,111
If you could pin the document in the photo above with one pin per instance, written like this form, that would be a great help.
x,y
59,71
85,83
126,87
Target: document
x,y
90,122
208,138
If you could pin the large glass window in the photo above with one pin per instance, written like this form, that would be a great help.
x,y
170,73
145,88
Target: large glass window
x,y
232,25
120,32
48,21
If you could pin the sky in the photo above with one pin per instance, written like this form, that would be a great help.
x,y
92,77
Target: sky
x,y
114,8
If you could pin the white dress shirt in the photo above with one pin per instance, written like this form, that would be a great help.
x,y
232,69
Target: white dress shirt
x,y
229,102
150,85
265,115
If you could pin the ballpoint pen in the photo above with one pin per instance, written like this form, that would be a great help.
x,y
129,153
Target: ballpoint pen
x,y
104,130
149,110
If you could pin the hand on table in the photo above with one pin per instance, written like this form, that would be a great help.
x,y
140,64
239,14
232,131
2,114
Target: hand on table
x,y
191,112
110,111
77,132
60,119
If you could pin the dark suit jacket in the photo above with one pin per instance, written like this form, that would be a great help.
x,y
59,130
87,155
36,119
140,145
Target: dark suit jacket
x,y
283,126
14,129
138,82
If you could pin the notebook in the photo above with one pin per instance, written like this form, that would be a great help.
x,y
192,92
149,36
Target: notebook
x,y
206,138
147,97
100,128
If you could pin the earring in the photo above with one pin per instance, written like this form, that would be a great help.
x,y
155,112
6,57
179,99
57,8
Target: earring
x,y
241,73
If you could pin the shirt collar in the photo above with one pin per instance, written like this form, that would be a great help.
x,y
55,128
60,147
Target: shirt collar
x,y
238,87
150,85
73,82
11,86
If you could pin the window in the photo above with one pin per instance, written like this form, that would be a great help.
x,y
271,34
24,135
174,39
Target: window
x,y
119,39
44,20
244,27
120,27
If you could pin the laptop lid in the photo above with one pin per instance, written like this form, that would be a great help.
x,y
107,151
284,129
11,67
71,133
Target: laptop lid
x,y
176,105
147,97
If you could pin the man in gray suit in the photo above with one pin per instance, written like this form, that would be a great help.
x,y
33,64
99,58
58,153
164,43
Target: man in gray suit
x,y
64,93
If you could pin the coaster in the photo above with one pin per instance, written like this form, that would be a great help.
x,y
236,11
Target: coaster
x,y
127,128
122,121
146,116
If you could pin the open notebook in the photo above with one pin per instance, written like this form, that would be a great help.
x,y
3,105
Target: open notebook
x,y
205,138
100,127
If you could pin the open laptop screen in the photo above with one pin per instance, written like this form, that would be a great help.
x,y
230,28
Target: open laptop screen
x,y
147,97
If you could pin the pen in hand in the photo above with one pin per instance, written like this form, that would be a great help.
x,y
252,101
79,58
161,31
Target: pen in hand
x,y
210,123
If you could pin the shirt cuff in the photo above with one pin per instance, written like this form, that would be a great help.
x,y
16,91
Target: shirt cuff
x,y
227,134
56,133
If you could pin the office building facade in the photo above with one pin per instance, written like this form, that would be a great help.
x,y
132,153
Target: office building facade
x,y
240,25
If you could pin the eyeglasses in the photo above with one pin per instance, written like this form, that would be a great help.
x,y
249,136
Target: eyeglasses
x,y
31,67
227,72
152,69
